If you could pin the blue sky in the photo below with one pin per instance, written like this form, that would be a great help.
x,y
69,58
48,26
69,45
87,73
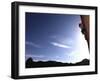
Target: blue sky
x,y
54,37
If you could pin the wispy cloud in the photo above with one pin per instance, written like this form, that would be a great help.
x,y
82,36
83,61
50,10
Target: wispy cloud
x,y
34,55
32,44
62,39
54,36
59,45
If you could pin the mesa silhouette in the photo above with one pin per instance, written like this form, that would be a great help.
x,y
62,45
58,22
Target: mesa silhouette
x,y
32,64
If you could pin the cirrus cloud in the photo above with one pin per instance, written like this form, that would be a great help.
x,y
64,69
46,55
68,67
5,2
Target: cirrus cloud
x,y
32,44
60,45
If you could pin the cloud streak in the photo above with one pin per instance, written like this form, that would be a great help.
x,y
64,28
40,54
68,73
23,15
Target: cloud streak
x,y
59,45
34,55
62,39
32,44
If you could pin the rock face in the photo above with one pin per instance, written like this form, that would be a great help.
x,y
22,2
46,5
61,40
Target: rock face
x,y
32,64
85,25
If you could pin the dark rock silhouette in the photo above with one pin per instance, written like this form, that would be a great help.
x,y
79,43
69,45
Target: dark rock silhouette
x,y
32,64
29,62
84,62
